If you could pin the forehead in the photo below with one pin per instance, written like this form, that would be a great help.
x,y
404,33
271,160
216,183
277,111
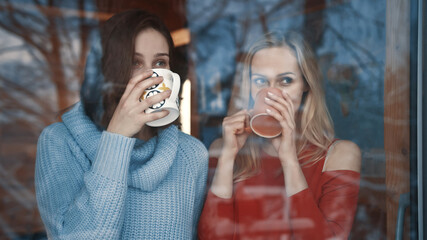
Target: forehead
x,y
150,41
274,59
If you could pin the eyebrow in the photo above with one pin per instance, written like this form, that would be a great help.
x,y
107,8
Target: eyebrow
x,y
253,74
279,75
156,55
286,73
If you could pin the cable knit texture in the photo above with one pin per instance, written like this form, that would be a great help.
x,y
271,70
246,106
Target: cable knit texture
x,y
92,184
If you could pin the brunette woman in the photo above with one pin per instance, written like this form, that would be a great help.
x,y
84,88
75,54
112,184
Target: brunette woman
x,y
103,173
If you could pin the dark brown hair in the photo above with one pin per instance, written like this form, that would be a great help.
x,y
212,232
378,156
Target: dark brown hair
x,y
118,46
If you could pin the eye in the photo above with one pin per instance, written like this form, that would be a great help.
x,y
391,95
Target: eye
x,y
285,80
137,64
260,82
161,63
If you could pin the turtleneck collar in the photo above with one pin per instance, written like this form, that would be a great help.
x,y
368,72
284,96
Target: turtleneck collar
x,y
150,160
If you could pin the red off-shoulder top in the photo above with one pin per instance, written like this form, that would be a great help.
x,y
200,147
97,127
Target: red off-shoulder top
x,y
260,209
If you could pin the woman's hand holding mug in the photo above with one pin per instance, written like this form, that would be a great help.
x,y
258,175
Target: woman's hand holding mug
x,y
235,132
285,115
171,82
129,116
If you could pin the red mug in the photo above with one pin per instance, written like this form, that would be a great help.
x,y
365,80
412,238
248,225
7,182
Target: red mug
x,y
261,123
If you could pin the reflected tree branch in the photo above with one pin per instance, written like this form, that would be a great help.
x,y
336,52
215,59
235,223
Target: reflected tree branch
x,y
358,15
352,46
50,38
16,87
220,6
11,49
10,102
19,30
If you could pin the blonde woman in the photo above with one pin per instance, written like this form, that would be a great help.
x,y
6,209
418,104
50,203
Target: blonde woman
x,y
302,184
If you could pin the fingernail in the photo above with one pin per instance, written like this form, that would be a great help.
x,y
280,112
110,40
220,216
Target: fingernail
x,y
267,99
270,94
268,110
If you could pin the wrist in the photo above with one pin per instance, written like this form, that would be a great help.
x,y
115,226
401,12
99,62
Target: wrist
x,y
222,183
229,152
226,162
227,156
112,129
289,162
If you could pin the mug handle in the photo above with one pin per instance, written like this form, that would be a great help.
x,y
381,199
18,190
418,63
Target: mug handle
x,y
175,86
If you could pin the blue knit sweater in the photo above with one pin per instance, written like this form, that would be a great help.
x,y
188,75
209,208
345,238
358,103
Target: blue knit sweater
x,y
92,184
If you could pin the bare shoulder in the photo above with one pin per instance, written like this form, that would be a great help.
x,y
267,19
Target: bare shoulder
x,y
215,148
343,155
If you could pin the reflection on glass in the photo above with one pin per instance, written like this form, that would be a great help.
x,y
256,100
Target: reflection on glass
x,y
360,47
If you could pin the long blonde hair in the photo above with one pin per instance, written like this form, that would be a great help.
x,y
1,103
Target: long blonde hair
x,y
314,124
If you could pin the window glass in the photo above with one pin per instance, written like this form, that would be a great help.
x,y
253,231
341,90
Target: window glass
x,y
366,52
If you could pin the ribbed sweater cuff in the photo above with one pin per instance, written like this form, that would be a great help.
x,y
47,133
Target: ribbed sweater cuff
x,y
113,156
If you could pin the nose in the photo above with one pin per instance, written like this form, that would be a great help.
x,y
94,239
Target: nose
x,y
274,85
143,69
137,71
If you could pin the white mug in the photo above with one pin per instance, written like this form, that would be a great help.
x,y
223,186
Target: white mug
x,y
171,81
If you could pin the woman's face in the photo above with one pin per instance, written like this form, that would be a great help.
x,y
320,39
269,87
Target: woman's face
x,y
277,67
151,51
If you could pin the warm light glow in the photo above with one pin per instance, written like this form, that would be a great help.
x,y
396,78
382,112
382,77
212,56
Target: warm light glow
x,y
181,37
185,107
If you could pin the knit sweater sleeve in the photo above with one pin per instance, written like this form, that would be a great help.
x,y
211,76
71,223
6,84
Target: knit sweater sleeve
x,y
332,216
217,218
77,202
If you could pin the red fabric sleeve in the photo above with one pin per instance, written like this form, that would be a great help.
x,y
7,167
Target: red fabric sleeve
x,y
217,217
330,218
